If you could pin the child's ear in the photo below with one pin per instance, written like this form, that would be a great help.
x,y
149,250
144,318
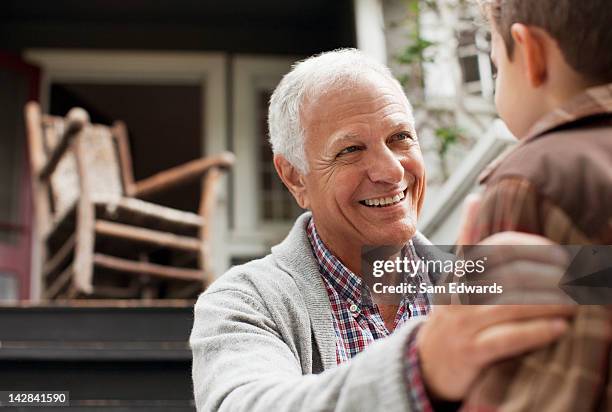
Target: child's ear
x,y
530,44
293,179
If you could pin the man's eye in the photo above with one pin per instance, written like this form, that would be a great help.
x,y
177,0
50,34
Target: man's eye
x,y
348,150
401,136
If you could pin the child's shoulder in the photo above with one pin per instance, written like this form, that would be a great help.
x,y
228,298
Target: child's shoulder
x,y
570,170
562,159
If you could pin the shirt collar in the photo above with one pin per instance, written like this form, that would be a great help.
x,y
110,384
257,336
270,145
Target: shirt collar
x,y
594,101
347,284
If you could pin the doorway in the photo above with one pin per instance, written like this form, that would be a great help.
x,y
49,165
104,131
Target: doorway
x,y
172,103
163,120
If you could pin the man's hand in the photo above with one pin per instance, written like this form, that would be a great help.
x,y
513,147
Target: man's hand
x,y
457,342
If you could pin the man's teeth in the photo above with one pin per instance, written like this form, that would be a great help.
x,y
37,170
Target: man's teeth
x,y
384,201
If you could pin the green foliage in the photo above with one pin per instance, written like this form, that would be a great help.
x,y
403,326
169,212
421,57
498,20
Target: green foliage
x,y
418,51
415,51
447,136
414,7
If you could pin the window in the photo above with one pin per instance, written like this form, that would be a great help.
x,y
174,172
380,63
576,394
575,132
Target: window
x,y
473,51
8,286
262,208
277,203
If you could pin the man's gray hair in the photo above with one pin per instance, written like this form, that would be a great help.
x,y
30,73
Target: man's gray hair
x,y
307,79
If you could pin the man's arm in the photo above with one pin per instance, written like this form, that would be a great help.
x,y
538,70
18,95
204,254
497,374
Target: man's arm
x,y
241,363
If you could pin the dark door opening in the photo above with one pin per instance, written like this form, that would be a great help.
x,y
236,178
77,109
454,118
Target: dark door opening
x,y
164,124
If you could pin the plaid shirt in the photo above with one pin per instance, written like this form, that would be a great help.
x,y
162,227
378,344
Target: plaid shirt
x,y
358,324
514,202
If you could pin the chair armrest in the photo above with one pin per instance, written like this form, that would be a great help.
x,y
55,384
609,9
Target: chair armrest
x,y
182,174
76,120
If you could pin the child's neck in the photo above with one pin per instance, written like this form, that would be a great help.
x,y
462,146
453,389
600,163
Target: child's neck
x,y
562,96
559,93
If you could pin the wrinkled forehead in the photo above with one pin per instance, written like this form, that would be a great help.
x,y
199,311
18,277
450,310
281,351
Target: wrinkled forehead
x,y
346,96
321,87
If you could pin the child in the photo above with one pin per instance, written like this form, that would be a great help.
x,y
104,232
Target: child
x,y
554,91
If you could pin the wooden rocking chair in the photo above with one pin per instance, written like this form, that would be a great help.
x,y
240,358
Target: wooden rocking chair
x,y
98,238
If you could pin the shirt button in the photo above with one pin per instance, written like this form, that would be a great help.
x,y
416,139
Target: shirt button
x,y
354,308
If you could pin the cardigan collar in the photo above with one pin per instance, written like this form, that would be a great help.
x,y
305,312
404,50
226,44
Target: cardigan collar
x,y
294,255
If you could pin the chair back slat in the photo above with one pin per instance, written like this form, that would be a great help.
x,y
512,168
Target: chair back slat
x,y
102,161
102,170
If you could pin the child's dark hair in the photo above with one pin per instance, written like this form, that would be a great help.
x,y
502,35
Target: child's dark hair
x,y
582,28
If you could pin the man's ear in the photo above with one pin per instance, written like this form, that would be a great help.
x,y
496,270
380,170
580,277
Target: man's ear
x,y
531,45
293,179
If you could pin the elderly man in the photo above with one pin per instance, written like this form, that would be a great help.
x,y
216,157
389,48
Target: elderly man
x,y
290,331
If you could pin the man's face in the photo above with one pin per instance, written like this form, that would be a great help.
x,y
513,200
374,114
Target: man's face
x,y
366,180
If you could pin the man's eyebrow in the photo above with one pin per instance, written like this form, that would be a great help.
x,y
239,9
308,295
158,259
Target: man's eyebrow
x,y
402,126
350,136
399,126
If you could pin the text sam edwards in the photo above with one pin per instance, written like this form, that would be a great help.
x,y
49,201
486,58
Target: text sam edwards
x,y
423,287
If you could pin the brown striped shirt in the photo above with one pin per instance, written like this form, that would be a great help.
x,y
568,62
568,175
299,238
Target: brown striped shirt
x,y
557,182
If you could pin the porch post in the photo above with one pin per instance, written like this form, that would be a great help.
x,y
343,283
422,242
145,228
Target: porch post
x,y
370,28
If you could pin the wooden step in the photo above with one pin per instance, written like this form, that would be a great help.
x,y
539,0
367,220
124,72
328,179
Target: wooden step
x,y
119,357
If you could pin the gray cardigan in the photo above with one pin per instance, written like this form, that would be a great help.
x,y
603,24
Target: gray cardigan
x,y
263,340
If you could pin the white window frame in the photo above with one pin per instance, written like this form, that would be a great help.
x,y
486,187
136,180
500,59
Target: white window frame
x,y
251,236
139,67
485,85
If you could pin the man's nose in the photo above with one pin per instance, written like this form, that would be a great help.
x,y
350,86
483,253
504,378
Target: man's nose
x,y
384,166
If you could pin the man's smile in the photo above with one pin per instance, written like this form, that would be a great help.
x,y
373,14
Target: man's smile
x,y
385,201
